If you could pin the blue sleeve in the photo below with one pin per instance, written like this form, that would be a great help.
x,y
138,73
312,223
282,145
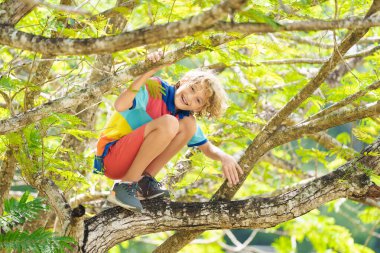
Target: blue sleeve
x,y
198,138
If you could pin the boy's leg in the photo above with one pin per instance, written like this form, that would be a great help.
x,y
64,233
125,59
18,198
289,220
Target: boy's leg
x,y
187,128
157,136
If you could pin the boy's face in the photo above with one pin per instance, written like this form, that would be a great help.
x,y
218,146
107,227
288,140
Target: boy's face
x,y
190,97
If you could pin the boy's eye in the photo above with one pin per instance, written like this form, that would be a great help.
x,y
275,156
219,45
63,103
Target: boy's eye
x,y
192,88
199,101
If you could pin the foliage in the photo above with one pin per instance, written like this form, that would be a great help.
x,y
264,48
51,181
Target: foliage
x,y
257,90
16,213
37,241
321,232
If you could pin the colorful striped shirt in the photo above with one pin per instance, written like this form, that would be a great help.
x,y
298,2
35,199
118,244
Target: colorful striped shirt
x,y
154,99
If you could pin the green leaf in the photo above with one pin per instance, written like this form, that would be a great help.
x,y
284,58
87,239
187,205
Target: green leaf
x,y
344,138
284,245
259,16
37,241
6,83
18,212
123,10
77,133
363,136
370,215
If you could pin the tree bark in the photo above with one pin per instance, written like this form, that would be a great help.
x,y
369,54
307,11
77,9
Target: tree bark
x,y
7,171
12,11
117,224
163,33
109,44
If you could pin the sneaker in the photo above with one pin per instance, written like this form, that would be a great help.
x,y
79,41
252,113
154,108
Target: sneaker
x,y
151,188
124,195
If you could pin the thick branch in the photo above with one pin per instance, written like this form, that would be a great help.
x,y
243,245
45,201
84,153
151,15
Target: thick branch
x,y
117,224
7,171
162,33
39,76
12,11
159,33
55,198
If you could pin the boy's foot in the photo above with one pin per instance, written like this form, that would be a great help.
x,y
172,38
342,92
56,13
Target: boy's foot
x,y
124,195
151,188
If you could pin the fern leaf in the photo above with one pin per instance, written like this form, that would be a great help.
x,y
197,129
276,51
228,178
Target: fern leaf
x,y
37,241
18,212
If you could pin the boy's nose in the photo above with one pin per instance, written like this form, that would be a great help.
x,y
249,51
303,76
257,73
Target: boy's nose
x,y
189,99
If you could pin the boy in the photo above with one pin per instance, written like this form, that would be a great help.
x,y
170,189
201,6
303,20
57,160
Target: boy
x,y
152,123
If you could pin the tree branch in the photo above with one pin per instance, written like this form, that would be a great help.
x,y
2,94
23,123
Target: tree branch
x,y
344,102
331,143
55,198
313,42
12,11
331,120
109,44
163,33
321,25
363,53
117,224
7,171
302,40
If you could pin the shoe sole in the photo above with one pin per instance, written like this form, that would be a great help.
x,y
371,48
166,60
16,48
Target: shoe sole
x,y
115,201
151,197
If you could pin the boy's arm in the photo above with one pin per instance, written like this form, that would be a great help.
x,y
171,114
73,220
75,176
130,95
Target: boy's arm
x,y
125,99
230,167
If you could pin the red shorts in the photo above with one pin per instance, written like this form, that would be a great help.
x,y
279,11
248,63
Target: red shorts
x,y
121,155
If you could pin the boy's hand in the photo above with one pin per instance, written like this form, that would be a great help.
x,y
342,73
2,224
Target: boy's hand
x,y
155,56
231,170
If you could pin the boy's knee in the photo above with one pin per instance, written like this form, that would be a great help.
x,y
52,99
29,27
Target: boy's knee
x,y
188,126
169,125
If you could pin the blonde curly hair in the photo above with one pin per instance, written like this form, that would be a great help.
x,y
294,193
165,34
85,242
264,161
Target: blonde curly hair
x,y
216,103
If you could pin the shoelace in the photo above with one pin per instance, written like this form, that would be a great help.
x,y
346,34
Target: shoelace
x,y
156,185
130,188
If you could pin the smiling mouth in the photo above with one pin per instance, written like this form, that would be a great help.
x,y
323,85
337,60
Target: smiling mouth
x,y
183,100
